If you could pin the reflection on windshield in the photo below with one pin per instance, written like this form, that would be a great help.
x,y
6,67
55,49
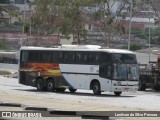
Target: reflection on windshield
x,y
125,72
125,58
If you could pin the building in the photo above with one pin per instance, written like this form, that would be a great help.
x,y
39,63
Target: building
x,y
4,1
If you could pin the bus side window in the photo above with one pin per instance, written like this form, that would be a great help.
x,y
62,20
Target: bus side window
x,y
78,57
60,57
82,58
93,58
105,71
54,57
69,57
24,58
105,57
46,56
34,56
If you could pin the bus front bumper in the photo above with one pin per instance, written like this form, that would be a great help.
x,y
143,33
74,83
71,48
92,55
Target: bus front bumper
x,y
124,88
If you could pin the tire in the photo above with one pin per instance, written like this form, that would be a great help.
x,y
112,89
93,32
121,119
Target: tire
x,y
96,88
50,85
117,93
60,89
40,84
72,90
156,88
142,87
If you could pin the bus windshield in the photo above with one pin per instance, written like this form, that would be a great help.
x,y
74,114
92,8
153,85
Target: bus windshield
x,y
126,72
124,58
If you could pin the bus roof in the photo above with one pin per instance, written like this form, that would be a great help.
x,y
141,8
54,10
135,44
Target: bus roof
x,y
78,48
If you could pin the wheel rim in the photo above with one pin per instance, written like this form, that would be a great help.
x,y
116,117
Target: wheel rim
x,y
95,88
39,85
50,85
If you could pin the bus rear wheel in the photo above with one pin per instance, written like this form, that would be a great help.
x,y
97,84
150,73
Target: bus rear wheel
x,y
142,87
50,86
72,90
96,88
40,85
117,93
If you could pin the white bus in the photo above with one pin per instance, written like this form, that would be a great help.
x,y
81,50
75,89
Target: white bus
x,y
73,67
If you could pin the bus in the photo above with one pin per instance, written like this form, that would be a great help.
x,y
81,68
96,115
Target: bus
x,y
87,67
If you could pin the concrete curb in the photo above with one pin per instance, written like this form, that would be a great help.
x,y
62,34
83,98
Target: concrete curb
x,y
10,104
94,117
55,112
62,112
36,108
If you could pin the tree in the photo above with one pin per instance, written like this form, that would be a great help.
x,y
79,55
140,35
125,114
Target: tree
x,y
3,10
75,18
110,22
63,17
3,45
69,17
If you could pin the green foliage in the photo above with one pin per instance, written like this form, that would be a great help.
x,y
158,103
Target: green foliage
x,y
26,28
137,32
132,47
69,17
135,47
124,47
3,45
5,72
155,35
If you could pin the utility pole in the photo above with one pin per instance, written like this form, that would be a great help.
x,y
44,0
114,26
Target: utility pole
x,y
23,29
149,41
129,36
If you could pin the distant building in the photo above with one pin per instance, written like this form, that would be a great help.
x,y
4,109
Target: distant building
x,y
140,25
21,1
4,1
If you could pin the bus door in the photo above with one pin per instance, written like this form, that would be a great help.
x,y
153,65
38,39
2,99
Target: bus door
x,y
105,72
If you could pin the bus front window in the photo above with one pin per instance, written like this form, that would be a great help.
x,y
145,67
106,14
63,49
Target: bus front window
x,y
124,72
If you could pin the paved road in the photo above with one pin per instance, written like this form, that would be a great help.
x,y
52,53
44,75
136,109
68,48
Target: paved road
x,y
11,91
148,100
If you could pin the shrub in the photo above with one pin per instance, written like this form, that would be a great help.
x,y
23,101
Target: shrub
x,y
132,47
5,72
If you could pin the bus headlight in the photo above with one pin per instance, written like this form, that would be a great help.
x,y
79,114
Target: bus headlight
x,y
117,84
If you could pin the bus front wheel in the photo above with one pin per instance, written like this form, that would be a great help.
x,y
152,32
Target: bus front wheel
x,y
50,86
96,88
117,93
40,85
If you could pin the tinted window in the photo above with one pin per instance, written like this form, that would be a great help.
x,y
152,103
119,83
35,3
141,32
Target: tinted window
x,y
69,57
54,56
124,58
34,56
24,56
45,56
105,57
60,57
94,58
81,57
105,70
